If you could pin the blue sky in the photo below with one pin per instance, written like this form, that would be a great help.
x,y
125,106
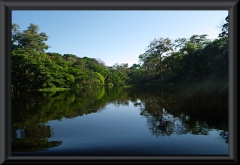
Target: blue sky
x,y
117,36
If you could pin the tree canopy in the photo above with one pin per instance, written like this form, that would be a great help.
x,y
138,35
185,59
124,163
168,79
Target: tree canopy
x,y
193,59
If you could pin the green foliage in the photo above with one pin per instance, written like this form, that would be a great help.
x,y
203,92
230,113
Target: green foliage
x,y
29,40
153,57
32,68
100,77
225,28
195,59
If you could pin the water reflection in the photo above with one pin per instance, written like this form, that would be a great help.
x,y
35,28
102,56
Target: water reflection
x,y
181,113
166,112
33,139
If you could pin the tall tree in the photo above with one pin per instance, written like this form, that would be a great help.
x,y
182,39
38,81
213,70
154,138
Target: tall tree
x,y
27,57
154,54
30,40
190,51
225,28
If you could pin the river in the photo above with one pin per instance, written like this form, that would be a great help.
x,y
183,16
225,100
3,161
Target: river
x,y
115,121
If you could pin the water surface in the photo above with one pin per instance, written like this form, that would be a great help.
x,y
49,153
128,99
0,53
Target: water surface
x,y
120,121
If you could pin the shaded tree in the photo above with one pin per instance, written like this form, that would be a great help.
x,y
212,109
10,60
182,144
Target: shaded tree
x,y
152,58
225,28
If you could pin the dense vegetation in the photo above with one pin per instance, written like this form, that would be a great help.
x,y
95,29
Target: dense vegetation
x,y
188,60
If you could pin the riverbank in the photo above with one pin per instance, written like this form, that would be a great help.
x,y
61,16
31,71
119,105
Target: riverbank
x,y
52,89
204,86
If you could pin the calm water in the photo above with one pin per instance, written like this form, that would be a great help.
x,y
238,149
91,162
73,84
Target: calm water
x,y
120,121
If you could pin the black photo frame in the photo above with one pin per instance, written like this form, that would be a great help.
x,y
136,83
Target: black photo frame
x,y
6,6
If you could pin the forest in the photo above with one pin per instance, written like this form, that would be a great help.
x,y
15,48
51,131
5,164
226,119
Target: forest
x,y
183,61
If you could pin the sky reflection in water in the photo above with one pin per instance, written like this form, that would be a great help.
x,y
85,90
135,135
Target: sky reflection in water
x,y
120,122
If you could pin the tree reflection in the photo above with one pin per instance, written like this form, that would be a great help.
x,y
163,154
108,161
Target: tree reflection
x,y
160,124
182,113
166,112
32,110
33,139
